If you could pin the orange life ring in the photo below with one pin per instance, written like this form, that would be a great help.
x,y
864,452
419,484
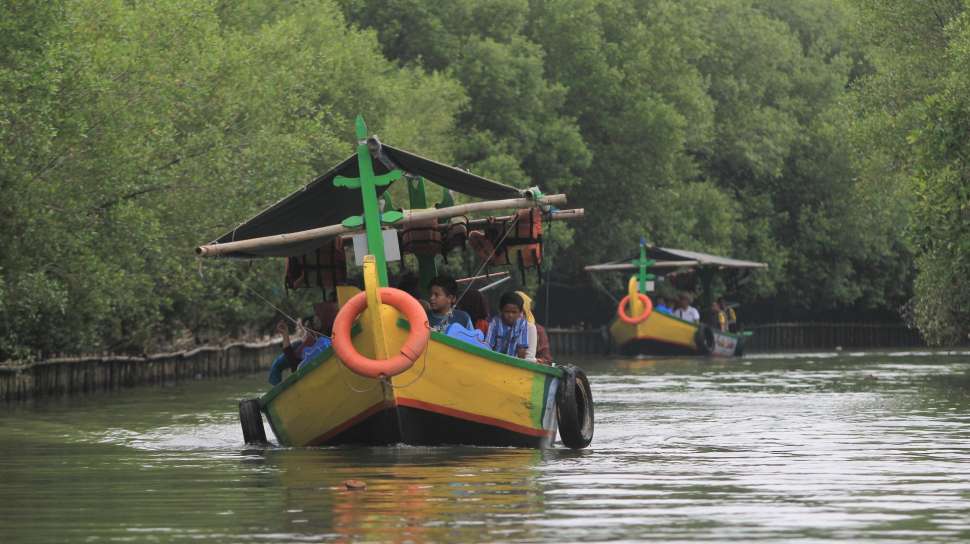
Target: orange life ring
x,y
410,351
621,310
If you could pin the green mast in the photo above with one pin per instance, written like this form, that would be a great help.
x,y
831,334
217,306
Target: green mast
x,y
372,218
642,264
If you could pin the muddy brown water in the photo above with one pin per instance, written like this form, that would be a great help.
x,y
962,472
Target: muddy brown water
x,y
794,448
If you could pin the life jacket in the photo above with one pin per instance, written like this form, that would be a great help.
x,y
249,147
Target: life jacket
x,y
522,244
422,238
457,233
325,267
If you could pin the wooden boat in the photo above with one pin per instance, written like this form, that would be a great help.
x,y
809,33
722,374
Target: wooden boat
x,y
639,328
388,379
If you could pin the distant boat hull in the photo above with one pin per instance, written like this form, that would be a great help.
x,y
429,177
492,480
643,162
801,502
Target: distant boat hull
x,y
664,334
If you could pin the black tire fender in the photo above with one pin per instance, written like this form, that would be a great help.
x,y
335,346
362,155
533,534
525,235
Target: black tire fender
x,y
574,403
251,419
704,339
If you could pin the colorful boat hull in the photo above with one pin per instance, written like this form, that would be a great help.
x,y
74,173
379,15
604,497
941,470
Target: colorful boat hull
x,y
455,393
664,334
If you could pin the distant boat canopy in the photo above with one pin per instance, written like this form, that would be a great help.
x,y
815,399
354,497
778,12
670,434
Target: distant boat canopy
x,y
320,203
664,257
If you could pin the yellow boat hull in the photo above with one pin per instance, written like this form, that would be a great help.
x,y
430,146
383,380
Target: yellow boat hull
x,y
664,334
455,393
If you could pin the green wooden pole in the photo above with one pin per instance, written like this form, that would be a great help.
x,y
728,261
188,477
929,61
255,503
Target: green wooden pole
x,y
372,218
427,268
642,264
372,211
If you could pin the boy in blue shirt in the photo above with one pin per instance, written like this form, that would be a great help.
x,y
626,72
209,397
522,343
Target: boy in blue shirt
x,y
508,332
442,312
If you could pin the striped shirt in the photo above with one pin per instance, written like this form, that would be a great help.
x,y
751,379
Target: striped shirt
x,y
507,339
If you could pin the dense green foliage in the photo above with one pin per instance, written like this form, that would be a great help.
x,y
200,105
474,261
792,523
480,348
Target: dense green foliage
x,y
825,138
911,137
130,133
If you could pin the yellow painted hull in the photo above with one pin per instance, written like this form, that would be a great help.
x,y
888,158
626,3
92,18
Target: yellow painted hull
x,y
455,393
664,334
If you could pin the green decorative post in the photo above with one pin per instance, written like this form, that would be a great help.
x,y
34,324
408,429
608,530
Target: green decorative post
x,y
427,269
642,264
372,218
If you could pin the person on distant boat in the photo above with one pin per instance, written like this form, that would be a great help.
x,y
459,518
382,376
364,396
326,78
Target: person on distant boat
x,y
730,314
442,311
718,318
508,331
313,340
475,303
685,311
661,305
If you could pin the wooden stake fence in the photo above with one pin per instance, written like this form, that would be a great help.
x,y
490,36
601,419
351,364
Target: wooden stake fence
x,y
69,376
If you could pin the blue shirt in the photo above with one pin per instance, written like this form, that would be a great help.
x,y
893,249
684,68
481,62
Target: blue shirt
x,y
663,308
507,339
321,345
441,322
281,363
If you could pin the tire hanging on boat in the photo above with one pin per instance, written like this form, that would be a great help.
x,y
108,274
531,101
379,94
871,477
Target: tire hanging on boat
x,y
251,420
574,403
704,339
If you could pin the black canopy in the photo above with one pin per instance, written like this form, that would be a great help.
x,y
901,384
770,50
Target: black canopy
x,y
319,203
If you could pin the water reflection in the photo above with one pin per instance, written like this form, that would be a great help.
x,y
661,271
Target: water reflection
x,y
412,494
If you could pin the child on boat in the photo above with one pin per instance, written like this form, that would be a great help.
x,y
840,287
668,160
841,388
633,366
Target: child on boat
x,y
508,332
442,311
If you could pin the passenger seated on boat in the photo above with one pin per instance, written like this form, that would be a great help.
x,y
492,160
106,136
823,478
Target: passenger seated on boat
x,y
442,311
475,303
314,338
538,339
531,351
685,311
321,331
543,350
285,360
718,320
508,331
730,314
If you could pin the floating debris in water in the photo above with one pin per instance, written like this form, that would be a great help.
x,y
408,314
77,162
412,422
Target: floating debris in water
x,y
355,485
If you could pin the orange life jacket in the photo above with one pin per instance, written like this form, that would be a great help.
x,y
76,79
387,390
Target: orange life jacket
x,y
325,267
422,238
522,244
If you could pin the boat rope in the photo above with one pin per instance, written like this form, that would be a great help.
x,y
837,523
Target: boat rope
x,y
423,368
343,378
485,262
296,322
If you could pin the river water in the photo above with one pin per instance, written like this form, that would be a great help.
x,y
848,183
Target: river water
x,y
796,448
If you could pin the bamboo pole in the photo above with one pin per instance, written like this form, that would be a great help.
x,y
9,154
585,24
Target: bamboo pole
x,y
630,266
322,233
558,215
471,279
